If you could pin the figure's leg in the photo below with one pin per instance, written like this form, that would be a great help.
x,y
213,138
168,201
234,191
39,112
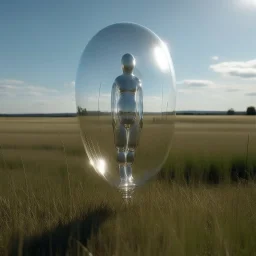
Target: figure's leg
x,y
134,136
133,139
120,143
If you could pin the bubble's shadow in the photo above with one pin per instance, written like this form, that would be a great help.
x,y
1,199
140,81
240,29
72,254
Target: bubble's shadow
x,y
57,240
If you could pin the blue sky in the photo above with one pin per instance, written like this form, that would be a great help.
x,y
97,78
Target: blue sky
x,y
212,44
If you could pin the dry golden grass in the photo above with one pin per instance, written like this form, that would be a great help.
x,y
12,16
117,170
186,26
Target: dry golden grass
x,y
50,196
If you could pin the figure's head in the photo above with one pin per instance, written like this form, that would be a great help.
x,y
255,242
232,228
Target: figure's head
x,y
128,63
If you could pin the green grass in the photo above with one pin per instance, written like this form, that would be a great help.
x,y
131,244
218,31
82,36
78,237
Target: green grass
x,y
203,202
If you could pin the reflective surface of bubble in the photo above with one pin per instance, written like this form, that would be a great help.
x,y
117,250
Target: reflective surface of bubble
x,y
126,105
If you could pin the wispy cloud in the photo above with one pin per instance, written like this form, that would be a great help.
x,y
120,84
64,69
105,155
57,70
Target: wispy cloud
x,y
185,91
232,90
192,86
242,69
70,84
192,83
250,94
215,58
5,94
41,89
91,103
5,87
240,88
17,88
11,81
105,95
22,97
34,93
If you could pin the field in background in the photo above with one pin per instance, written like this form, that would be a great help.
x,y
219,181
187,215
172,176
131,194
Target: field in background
x,y
200,145
48,191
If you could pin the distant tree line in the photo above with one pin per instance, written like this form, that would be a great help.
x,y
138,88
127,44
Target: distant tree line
x,y
81,111
231,111
249,111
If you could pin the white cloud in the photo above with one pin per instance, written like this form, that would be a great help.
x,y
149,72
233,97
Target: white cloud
x,y
242,69
215,58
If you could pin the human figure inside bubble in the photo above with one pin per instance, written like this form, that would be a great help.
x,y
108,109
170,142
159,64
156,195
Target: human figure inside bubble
x,y
127,117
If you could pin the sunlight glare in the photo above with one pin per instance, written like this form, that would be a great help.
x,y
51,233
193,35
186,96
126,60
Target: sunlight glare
x,y
247,3
101,166
91,163
161,56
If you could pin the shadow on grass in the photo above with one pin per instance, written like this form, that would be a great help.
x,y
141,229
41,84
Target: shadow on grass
x,y
57,241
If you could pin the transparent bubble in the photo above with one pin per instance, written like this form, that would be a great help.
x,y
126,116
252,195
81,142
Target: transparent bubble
x,y
126,104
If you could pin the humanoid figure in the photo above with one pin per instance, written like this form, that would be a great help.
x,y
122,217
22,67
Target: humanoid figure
x,y
127,117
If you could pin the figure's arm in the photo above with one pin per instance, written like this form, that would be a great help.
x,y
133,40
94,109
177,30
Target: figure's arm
x,y
140,104
114,102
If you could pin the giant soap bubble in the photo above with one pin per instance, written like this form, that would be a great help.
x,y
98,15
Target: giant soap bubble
x,y
125,96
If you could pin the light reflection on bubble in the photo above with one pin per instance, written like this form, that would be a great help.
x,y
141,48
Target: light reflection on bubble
x,y
101,166
161,58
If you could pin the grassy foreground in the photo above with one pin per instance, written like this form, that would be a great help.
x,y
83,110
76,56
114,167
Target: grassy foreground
x,y
51,202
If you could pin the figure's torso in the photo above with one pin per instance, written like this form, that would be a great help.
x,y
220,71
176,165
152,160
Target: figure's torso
x,y
127,86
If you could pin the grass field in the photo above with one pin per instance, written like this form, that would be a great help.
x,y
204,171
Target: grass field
x,y
51,201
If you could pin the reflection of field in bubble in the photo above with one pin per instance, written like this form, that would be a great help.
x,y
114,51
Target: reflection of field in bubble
x,y
150,154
